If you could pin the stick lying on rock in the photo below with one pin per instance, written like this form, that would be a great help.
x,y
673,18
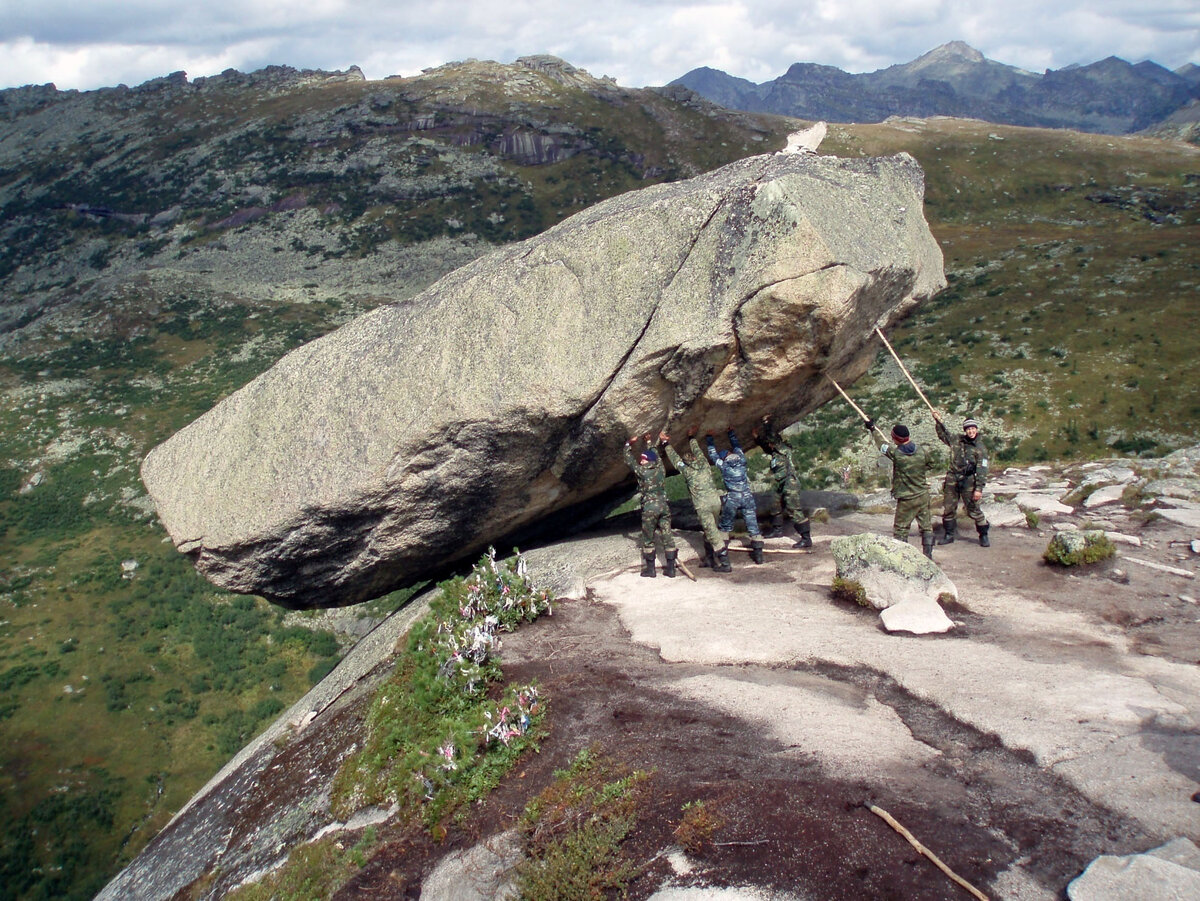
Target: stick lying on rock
x,y
891,821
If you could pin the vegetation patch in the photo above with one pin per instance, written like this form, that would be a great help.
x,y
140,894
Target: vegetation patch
x,y
439,733
574,831
1078,548
850,591
697,826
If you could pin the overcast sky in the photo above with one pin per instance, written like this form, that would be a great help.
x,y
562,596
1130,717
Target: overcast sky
x,y
86,44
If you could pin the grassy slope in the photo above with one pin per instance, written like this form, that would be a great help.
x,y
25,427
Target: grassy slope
x,y
1056,299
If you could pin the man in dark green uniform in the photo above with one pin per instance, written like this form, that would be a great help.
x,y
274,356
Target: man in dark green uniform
x,y
910,486
787,487
964,479
656,511
697,472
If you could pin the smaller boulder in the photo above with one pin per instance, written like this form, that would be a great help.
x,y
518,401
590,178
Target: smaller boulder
x,y
897,579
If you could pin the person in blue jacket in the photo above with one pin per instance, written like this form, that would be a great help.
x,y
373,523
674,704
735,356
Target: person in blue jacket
x,y
738,498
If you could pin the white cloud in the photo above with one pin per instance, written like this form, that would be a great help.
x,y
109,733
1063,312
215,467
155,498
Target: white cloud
x,y
103,42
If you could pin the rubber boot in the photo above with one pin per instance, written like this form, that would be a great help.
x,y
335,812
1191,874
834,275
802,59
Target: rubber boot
x,y
669,564
927,544
805,531
723,561
776,530
951,526
756,550
648,564
706,558
983,535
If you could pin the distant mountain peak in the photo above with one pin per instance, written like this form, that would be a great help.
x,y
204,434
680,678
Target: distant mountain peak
x,y
954,50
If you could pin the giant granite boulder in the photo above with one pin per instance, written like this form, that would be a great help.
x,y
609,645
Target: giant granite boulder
x,y
421,432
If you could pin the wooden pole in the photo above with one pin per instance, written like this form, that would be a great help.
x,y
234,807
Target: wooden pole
x,y
687,572
891,821
916,387
865,417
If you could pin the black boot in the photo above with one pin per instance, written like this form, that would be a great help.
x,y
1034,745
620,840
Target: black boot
x,y
951,526
669,564
648,564
805,531
927,544
706,558
983,535
756,550
776,530
722,565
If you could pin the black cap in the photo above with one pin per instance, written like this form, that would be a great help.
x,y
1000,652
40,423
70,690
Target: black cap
x,y
900,431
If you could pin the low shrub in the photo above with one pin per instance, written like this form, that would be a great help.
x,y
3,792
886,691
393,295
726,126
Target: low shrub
x,y
1078,548
574,830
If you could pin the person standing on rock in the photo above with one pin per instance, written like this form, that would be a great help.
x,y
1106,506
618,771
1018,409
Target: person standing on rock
x,y
964,479
656,510
739,498
787,487
697,472
910,486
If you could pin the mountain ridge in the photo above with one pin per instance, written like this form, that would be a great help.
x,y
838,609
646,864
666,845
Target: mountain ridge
x,y
1110,96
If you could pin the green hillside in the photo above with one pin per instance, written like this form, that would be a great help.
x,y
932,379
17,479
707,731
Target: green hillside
x,y
159,248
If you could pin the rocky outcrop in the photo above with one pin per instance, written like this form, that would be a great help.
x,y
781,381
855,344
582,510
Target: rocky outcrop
x,y
423,431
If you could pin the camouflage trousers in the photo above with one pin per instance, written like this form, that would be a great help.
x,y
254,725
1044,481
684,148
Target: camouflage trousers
x,y
787,502
707,509
657,521
951,495
910,508
741,502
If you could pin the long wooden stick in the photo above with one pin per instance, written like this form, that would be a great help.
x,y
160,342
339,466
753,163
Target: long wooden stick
x,y
769,550
916,387
865,417
687,572
891,821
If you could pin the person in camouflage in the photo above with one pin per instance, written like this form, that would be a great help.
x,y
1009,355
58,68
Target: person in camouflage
x,y
739,498
697,472
656,511
964,479
787,487
910,486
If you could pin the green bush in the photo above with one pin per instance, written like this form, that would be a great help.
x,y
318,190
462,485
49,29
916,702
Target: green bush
x,y
1078,548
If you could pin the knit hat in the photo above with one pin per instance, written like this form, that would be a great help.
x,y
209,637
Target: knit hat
x,y
900,431
970,424
650,455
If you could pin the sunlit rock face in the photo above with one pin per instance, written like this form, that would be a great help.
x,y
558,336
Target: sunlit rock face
x,y
421,432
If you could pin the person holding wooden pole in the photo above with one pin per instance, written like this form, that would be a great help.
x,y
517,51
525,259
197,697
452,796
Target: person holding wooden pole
x,y
910,485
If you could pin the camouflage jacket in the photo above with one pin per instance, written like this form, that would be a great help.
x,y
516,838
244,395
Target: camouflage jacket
x,y
651,479
967,458
732,464
909,468
697,474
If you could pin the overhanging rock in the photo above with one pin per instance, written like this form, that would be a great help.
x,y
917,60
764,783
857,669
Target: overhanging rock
x,y
421,432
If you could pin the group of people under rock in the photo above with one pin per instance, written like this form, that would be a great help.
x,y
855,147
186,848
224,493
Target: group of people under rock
x,y
717,511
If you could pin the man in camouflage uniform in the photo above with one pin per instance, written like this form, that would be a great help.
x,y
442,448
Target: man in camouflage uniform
x,y
739,498
656,511
964,479
910,486
787,487
697,472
